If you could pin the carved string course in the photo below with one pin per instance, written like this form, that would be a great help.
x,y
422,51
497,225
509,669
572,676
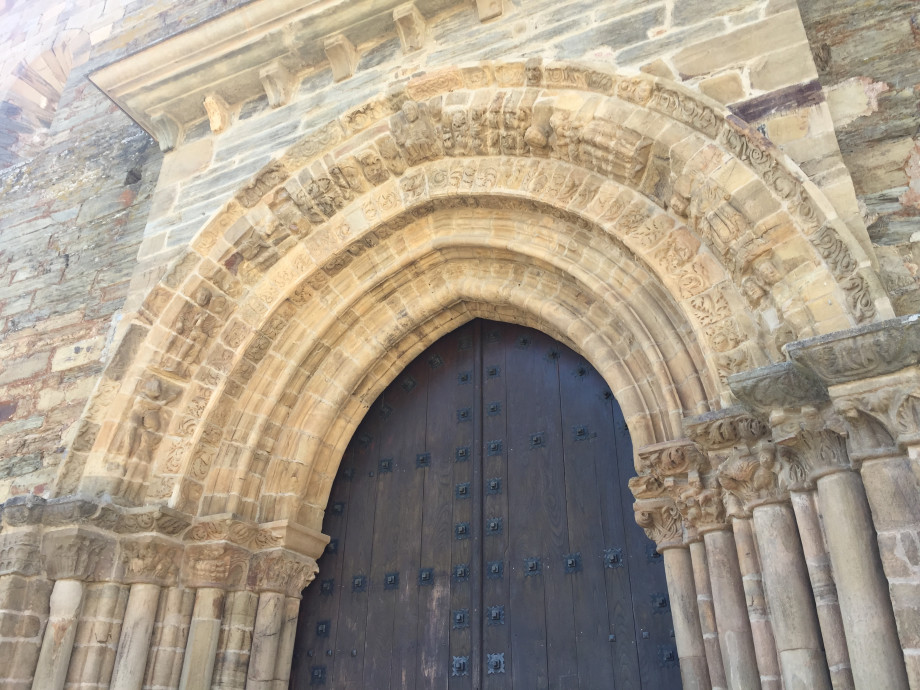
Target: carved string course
x,y
455,139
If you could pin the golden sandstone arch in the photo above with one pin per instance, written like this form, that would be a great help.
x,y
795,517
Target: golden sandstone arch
x,y
629,218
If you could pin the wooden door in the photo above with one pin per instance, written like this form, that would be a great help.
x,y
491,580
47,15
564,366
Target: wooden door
x,y
483,534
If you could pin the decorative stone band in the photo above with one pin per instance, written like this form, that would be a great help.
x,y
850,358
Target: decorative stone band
x,y
106,543
661,520
783,385
861,353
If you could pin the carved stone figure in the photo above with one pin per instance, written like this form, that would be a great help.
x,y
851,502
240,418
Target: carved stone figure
x,y
413,131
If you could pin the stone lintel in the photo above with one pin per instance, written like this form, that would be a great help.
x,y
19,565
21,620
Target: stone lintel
x,y
863,352
777,386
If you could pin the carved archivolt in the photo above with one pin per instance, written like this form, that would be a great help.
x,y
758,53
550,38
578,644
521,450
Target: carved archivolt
x,y
309,224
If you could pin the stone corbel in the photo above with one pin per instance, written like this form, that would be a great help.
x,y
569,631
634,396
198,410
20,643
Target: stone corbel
x,y
411,27
218,112
342,56
166,130
278,84
488,9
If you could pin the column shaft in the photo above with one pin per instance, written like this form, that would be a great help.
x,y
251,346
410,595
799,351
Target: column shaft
x,y
707,615
761,630
235,643
265,641
795,620
823,589
688,635
24,608
57,643
868,619
892,487
94,648
735,636
169,637
200,650
134,643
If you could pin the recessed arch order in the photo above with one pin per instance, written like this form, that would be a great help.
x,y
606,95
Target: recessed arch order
x,y
624,216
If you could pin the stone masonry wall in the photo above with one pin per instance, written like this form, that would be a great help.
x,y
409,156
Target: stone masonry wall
x,y
90,224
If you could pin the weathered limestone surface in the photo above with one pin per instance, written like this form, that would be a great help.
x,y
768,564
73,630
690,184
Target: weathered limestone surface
x,y
188,339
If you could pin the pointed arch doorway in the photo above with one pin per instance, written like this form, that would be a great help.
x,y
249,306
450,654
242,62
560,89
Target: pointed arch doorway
x,y
483,534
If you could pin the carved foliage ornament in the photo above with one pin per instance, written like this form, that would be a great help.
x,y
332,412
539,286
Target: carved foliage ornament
x,y
725,429
281,570
702,508
661,521
670,459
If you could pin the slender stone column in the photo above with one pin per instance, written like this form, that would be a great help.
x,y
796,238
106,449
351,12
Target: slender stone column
x,y
169,637
868,618
286,643
823,588
265,641
204,631
761,628
235,643
707,615
57,645
24,608
735,636
93,657
691,651
795,620
134,643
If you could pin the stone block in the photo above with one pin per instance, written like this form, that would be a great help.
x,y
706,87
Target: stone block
x,y
784,67
739,46
23,368
78,354
725,88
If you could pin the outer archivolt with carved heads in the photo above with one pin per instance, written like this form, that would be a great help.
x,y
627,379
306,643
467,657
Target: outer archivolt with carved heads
x,y
601,200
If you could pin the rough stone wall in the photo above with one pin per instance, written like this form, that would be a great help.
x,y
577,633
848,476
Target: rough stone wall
x,y
867,59
71,222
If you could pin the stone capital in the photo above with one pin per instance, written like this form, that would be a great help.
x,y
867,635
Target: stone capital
x,y
764,475
817,451
281,570
661,520
149,561
77,553
702,508
673,458
218,564
19,552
